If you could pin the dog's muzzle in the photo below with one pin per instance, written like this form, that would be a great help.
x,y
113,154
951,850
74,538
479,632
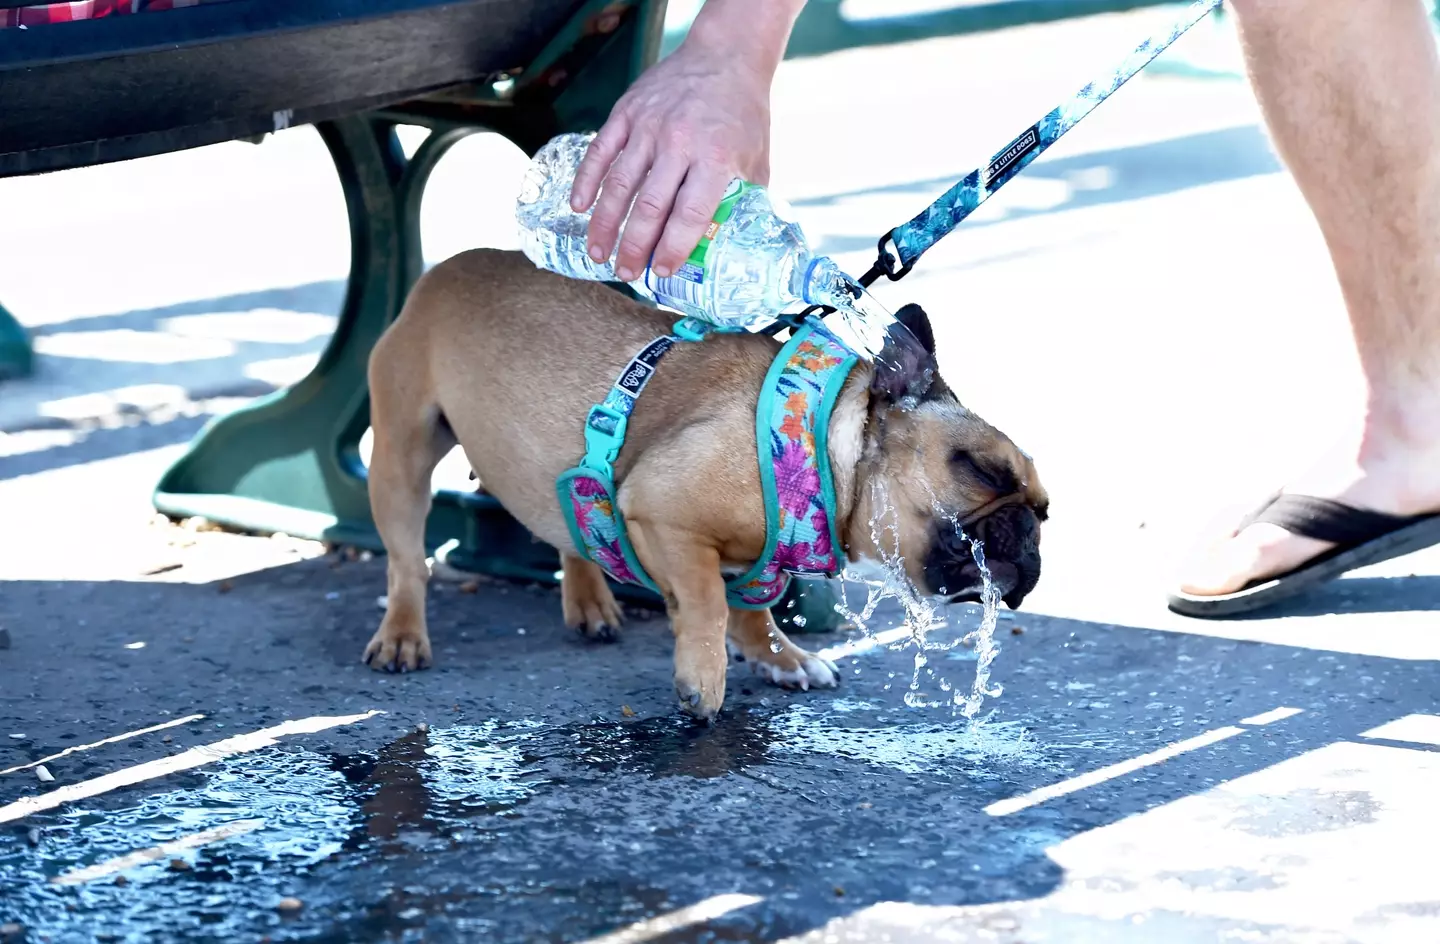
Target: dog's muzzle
x,y
1010,538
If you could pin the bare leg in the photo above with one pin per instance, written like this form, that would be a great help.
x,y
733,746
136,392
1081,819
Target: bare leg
x,y
1351,95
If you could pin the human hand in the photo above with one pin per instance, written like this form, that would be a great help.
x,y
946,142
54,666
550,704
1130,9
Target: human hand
x,y
674,141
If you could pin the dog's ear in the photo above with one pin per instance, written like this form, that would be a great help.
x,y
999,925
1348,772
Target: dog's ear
x,y
915,320
907,368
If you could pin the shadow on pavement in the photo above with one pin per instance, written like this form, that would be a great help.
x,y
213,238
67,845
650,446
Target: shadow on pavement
x,y
1414,593
92,368
553,794
1098,178
94,445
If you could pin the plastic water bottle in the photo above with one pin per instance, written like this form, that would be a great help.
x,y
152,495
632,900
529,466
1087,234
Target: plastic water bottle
x,y
750,267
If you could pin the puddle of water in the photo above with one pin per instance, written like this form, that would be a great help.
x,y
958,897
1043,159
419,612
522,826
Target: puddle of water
x,y
470,827
792,737
305,810
299,799
910,748
669,746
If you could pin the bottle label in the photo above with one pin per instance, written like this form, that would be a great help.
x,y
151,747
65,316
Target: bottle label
x,y
685,290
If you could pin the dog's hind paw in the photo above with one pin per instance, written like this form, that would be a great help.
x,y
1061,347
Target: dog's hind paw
x,y
589,606
396,652
811,671
601,630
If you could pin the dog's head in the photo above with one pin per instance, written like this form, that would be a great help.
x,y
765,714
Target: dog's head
x,y
941,469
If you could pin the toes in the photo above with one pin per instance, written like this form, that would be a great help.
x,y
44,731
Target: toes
x,y
1259,551
385,654
414,655
810,672
822,672
602,621
601,631
694,701
778,675
380,655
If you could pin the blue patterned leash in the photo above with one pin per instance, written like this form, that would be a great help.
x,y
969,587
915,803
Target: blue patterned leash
x,y
912,239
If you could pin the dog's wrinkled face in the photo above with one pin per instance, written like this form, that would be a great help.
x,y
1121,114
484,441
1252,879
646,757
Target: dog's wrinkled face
x,y
940,469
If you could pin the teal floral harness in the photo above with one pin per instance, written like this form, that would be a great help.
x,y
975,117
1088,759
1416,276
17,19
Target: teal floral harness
x,y
792,422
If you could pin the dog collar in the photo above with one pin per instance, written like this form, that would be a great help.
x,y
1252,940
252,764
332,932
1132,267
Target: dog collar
x,y
792,423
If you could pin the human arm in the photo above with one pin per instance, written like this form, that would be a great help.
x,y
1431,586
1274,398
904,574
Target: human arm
x,y
683,131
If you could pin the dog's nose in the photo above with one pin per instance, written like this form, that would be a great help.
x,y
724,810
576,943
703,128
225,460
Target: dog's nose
x,y
1011,536
1026,579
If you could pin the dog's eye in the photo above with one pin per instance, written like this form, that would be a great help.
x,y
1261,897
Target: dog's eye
x,y
1002,482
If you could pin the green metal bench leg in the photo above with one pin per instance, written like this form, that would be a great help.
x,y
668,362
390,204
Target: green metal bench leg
x,y
17,359
290,462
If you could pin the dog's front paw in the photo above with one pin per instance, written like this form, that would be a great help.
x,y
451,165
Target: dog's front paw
x,y
796,668
393,649
701,699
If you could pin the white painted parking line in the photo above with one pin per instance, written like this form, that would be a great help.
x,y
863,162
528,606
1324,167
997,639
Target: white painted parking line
x,y
651,928
195,757
865,643
1271,716
1417,729
110,740
1094,777
163,851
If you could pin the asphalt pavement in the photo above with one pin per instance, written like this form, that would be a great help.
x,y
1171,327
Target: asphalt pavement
x,y
219,766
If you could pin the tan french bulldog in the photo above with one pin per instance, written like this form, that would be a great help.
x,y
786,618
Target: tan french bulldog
x,y
507,359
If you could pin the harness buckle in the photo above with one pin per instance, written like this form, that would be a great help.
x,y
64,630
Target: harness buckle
x,y
604,435
691,329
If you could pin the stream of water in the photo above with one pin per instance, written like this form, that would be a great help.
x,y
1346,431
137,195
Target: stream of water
x,y
923,616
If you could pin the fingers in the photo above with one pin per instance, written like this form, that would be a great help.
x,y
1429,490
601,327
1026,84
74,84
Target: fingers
x,y
598,157
693,210
625,177
649,215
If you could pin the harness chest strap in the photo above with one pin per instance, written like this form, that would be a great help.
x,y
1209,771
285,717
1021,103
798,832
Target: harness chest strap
x,y
792,425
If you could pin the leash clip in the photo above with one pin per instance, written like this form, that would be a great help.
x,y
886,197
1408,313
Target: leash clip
x,y
884,265
885,262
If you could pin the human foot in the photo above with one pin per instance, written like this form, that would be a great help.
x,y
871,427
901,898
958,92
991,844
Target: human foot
x,y
1393,481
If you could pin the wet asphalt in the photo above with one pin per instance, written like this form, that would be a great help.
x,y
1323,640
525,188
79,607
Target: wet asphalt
x,y
536,787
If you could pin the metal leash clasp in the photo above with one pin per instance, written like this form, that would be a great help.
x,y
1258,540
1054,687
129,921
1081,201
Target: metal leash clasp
x,y
884,265
885,262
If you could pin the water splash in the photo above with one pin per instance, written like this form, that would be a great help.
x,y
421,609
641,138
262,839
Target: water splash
x,y
922,615
859,319
982,638
910,748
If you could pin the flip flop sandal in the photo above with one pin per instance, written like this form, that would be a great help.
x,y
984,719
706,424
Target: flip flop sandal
x,y
1360,537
